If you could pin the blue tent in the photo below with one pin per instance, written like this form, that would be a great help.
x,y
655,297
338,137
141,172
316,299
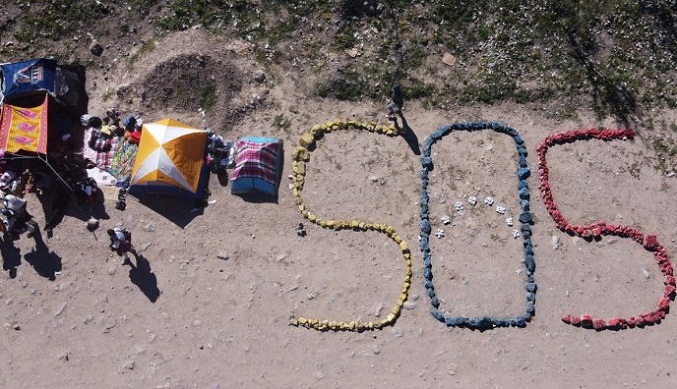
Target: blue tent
x,y
28,77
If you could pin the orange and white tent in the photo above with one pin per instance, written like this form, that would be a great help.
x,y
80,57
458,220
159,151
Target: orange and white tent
x,y
170,158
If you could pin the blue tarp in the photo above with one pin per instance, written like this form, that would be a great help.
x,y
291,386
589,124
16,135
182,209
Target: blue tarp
x,y
28,77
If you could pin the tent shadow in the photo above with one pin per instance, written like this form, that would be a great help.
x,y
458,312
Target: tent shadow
x,y
11,256
181,212
44,261
142,276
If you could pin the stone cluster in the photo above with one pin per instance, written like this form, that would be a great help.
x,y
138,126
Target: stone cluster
x,y
523,172
301,156
599,228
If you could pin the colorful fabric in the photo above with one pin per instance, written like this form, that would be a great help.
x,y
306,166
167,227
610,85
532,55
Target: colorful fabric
x,y
124,157
24,128
257,166
102,159
256,160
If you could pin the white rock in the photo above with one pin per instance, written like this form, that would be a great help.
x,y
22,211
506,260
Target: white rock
x,y
472,200
500,209
489,200
509,221
554,241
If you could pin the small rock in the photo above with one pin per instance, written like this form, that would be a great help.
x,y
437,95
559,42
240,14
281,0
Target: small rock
x,y
554,241
60,310
96,49
646,273
409,305
670,174
448,59
280,257
150,227
92,224
223,255
378,310
319,375
396,332
64,357
196,323
373,179
16,327
259,75
353,52
129,365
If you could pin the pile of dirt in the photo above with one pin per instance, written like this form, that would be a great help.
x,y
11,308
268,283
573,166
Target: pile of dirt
x,y
188,83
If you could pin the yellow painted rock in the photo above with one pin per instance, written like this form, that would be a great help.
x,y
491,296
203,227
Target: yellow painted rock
x,y
312,217
403,246
306,140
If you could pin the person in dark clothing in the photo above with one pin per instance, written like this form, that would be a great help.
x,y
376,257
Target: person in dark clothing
x,y
396,102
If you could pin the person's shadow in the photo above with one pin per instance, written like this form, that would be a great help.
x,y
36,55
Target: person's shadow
x,y
408,134
11,256
142,276
45,262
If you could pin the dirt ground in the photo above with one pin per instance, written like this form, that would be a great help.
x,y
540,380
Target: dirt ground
x,y
185,317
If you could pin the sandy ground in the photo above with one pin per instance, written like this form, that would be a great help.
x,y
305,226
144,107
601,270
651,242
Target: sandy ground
x,y
189,319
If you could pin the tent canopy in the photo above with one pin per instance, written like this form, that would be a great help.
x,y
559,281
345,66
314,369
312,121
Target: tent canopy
x,y
31,79
170,160
27,77
24,128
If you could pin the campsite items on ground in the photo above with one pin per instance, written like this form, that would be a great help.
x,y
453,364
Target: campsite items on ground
x,y
301,230
301,156
220,153
480,322
16,219
596,229
121,203
8,181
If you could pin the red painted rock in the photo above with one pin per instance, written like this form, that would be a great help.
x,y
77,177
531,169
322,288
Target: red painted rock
x,y
597,231
573,320
640,321
650,242
669,290
599,324
650,318
669,280
586,320
664,302
614,322
631,322
567,319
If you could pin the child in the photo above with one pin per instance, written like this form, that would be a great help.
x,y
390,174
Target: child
x,y
121,243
